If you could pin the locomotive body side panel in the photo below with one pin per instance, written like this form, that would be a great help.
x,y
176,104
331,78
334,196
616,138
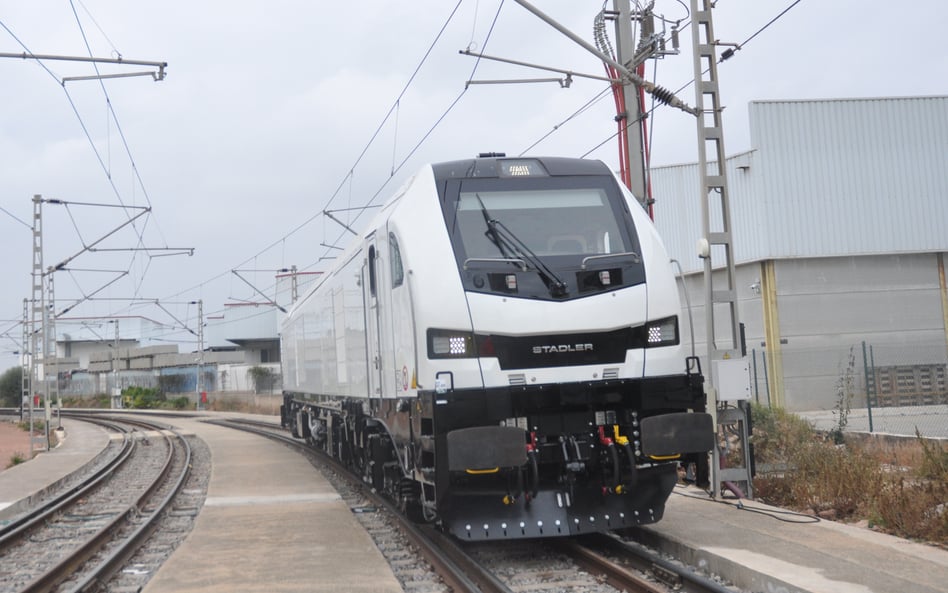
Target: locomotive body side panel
x,y
324,336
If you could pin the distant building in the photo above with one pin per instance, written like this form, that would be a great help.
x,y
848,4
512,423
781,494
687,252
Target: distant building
x,y
840,227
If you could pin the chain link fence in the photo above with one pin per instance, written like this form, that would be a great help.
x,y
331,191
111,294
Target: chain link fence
x,y
899,389
248,379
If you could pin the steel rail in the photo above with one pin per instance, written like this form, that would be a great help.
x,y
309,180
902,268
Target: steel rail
x,y
614,574
22,524
66,566
117,558
680,578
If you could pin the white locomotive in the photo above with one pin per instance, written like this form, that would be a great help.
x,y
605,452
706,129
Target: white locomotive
x,y
499,351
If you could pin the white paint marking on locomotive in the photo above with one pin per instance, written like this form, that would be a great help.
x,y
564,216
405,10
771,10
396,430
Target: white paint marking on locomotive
x,y
441,402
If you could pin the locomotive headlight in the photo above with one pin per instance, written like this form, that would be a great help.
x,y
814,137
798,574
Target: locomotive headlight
x,y
450,344
662,332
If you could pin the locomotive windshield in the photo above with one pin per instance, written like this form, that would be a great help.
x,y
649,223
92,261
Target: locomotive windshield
x,y
549,222
542,237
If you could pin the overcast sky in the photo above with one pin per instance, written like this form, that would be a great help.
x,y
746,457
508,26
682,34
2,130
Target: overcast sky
x,y
266,108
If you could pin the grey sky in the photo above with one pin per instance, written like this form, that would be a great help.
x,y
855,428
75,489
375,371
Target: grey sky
x,y
267,106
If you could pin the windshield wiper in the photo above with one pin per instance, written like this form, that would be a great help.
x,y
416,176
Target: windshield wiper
x,y
491,233
511,246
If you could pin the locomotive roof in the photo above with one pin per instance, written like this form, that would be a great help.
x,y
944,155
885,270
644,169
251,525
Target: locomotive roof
x,y
489,167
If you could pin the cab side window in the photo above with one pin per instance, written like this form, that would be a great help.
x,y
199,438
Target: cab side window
x,y
398,272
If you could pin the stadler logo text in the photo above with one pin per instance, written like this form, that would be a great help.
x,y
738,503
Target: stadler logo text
x,y
563,348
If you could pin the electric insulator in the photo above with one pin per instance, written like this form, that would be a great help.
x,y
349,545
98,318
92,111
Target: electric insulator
x,y
663,95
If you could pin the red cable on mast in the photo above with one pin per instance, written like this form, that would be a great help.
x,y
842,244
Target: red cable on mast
x,y
622,123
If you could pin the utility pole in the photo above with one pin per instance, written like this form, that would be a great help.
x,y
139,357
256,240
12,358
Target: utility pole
x,y
26,375
632,118
115,392
38,317
201,397
294,285
49,331
724,371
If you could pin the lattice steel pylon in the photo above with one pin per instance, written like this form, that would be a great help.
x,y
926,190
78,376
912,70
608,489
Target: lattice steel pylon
x,y
717,240
38,316
52,357
26,382
201,390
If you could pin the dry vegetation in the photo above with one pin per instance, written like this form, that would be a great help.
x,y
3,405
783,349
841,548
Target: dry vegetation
x,y
899,487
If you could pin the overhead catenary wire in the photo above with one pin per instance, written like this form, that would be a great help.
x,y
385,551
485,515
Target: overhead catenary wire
x,y
599,96
350,171
134,167
139,229
396,165
16,218
729,52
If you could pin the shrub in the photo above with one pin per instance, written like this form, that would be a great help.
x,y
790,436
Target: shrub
x,y
11,387
142,397
860,480
180,403
263,378
39,425
16,459
778,434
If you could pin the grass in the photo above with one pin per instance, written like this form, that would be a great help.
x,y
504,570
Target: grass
x,y
16,459
39,425
899,487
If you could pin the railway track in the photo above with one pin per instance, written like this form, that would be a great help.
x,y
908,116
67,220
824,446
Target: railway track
x,y
593,564
75,540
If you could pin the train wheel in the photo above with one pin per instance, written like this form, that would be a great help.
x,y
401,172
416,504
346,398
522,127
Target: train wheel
x,y
409,499
376,454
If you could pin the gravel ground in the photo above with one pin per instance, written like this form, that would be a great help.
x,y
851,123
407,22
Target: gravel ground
x,y
13,441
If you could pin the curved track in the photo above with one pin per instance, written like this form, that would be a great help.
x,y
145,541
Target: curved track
x,y
82,535
595,563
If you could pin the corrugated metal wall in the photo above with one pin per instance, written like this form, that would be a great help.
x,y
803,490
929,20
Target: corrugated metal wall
x,y
849,200
824,178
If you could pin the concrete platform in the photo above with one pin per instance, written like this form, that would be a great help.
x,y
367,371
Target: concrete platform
x,y
763,553
270,523
21,484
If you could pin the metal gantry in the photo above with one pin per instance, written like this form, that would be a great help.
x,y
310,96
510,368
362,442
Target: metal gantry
x,y
716,242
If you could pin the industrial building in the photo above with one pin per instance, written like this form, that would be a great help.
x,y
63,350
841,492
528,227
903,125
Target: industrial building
x,y
839,217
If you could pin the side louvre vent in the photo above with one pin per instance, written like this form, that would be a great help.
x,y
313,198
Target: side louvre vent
x,y
519,379
610,374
